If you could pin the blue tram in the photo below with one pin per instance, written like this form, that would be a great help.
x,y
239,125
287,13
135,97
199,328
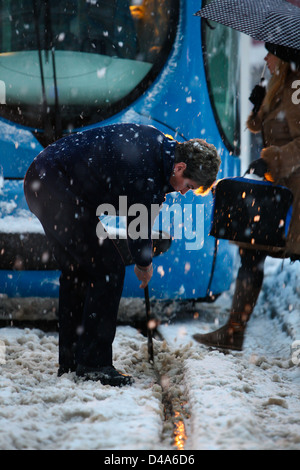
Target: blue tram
x,y
69,65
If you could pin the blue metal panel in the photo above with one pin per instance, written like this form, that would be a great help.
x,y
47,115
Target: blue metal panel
x,y
18,147
30,283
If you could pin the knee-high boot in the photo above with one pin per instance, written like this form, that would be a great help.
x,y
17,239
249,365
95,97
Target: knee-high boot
x,y
231,335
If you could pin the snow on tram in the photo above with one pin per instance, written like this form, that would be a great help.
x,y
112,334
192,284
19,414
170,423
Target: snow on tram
x,y
69,65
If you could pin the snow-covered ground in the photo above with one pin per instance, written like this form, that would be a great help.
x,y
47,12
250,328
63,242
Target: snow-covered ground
x,y
241,400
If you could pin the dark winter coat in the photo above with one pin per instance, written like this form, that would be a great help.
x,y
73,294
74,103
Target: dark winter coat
x,y
281,134
97,166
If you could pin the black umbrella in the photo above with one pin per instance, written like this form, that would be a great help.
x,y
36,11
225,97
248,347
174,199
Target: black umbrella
x,y
273,21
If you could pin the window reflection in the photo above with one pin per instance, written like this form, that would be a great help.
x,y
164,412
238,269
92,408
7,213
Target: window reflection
x,y
89,55
221,55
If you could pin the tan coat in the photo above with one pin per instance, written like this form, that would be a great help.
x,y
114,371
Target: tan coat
x,y
281,135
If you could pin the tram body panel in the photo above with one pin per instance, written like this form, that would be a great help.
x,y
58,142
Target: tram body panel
x,y
177,101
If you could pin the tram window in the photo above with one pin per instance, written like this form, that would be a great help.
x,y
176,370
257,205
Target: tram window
x,y
104,50
221,55
102,26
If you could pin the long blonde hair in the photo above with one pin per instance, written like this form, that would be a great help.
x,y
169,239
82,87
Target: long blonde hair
x,y
275,85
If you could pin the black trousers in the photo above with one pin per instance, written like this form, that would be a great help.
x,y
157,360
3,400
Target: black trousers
x,y
92,274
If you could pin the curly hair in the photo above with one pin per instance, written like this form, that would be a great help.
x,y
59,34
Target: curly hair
x,y
202,162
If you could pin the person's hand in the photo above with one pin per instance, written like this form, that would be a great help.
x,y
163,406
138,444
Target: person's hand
x,y
258,167
144,274
257,96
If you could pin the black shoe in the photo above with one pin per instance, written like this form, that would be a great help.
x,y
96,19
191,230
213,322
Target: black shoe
x,y
65,370
107,375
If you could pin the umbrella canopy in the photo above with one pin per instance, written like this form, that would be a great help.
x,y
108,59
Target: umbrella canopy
x,y
273,21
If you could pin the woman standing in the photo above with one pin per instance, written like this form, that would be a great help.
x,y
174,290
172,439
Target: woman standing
x,y
277,117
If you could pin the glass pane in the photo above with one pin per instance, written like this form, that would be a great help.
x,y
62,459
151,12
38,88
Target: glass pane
x,y
83,55
221,54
